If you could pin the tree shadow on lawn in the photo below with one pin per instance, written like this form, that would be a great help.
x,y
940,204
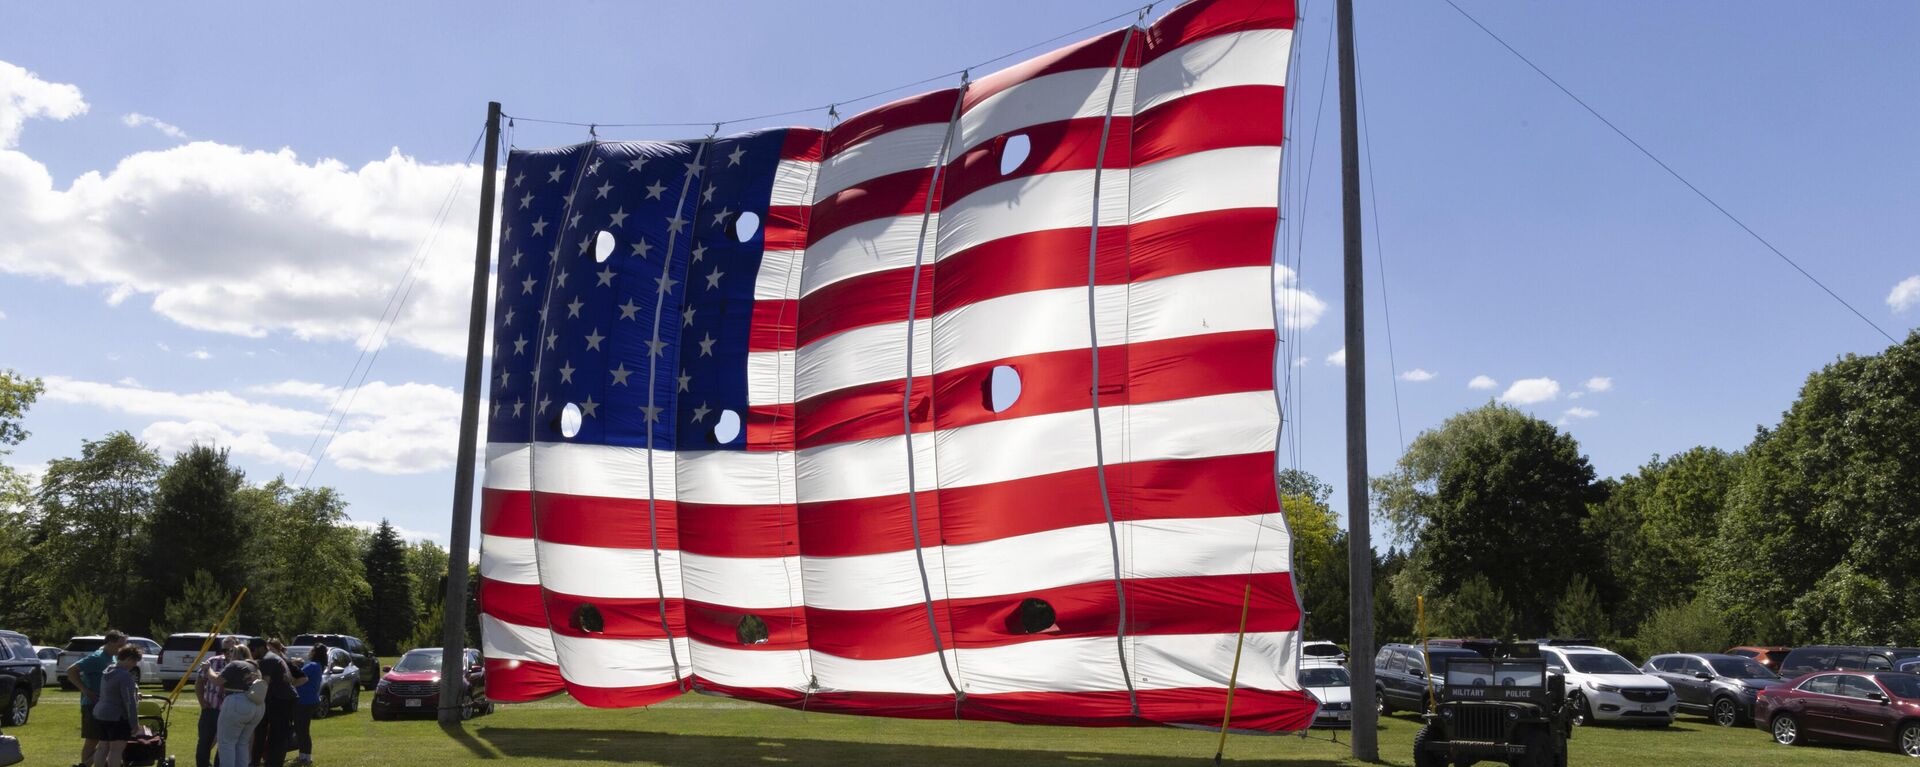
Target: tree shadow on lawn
x,y
678,750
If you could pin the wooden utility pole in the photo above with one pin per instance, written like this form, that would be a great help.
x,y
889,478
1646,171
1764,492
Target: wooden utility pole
x,y
453,633
1359,534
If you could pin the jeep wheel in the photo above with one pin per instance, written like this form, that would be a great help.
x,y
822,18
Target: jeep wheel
x,y
20,709
1582,713
1421,757
1786,730
1910,739
1726,713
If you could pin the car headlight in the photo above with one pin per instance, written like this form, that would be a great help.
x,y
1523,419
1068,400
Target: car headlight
x,y
1513,714
1446,713
1598,687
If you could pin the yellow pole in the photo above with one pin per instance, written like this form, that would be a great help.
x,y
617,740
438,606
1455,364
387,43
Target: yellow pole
x,y
1233,678
1420,602
204,646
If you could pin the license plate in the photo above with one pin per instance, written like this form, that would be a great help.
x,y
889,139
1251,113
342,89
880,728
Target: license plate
x,y
415,703
1343,715
1648,708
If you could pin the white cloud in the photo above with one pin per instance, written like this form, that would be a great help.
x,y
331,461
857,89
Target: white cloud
x,y
201,354
1575,414
1905,295
1599,383
1416,375
1576,394
1482,382
1528,391
1299,308
393,429
3,315
1338,359
130,381
1300,363
24,96
167,129
231,240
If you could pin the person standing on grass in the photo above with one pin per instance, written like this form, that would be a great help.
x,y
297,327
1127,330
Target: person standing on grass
x,y
242,694
309,703
85,675
208,689
281,681
117,711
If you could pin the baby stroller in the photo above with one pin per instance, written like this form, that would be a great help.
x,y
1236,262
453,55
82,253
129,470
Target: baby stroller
x,y
149,743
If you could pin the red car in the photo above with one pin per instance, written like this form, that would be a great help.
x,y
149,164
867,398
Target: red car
x,y
412,686
1876,708
1765,656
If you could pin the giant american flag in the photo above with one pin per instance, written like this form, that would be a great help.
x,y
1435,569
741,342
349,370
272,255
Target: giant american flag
x,y
961,408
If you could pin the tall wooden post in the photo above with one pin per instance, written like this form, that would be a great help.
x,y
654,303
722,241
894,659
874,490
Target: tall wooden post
x,y
1359,534
453,633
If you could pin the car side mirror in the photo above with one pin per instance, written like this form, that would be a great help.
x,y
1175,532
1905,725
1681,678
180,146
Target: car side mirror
x,y
386,669
1878,697
1702,675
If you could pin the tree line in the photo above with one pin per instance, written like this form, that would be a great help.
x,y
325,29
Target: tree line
x,y
1803,536
121,536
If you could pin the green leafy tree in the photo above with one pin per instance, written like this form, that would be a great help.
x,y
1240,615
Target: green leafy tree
x,y
1691,626
201,603
1499,494
427,563
80,613
1656,528
93,510
17,393
1832,484
1295,482
1580,613
196,527
307,561
388,612
1319,565
1476,609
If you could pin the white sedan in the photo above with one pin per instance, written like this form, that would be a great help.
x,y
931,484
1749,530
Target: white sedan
x,y
1329,684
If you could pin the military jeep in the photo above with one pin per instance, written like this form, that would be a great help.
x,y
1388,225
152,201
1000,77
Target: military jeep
x,y
1504,708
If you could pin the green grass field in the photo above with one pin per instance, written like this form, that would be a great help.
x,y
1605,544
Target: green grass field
x,y
697,731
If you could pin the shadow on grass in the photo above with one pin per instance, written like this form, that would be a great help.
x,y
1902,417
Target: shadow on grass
x,y
695,750
474,747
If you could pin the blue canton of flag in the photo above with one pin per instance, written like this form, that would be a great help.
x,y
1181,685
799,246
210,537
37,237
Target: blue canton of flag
x,y
608,345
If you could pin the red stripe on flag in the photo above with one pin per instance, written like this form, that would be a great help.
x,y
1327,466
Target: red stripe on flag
x,y
932,107
1194,22
520,681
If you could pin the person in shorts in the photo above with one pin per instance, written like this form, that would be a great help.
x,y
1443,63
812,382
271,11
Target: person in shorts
x,y
117,712
85,675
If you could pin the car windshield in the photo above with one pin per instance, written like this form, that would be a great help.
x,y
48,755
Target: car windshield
x,y
1482,673
1320,650
49,653
419,660
1741,668
1901,685
1323,676
1600,663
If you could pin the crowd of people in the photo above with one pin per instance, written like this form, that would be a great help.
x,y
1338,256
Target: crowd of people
x,y
255,703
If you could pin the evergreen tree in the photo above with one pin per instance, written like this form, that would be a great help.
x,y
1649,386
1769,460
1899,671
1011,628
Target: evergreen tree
x,y
1690,626
1476,609
1580,613
388,613
200,604
195,526
80,613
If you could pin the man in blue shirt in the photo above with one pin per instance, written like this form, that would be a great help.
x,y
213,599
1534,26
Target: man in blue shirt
x,y
85,674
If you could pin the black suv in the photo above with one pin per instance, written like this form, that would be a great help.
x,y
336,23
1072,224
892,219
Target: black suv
x,y
362,654
1400,674
1843,657
21,678
1722,687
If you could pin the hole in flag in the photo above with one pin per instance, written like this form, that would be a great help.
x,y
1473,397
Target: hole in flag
x,y
1003,388
570,420
603,245
727,429
745,225
751,630
587,618
1033,616
1014,152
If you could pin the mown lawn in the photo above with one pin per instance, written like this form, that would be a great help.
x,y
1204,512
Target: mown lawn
x,y
697,731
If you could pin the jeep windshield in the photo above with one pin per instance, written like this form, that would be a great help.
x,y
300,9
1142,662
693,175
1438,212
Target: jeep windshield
x,y
1463,673
1600,663
1741,668
1437,659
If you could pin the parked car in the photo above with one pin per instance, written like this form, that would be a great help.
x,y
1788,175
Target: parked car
x,y
339,683
1722,687
1403,672
1845,658
363,657
49,661
80,647
21,677
1874,708
1328,683
1322,651
1604,687
178,652
1763,655
413,686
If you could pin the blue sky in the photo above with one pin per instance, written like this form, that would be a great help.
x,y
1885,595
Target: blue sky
x,y
203,269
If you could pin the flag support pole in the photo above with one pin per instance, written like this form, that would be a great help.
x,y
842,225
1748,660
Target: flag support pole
x,y
1359,533
453,632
